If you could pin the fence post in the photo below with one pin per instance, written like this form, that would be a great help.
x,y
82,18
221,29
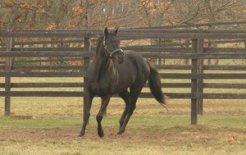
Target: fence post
x,y
200,49
61,45
87,48
194,84
8,66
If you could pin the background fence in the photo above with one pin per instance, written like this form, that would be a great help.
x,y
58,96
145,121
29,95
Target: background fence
x,y
182,57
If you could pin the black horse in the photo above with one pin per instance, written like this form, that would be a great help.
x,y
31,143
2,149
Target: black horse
x,y
114,71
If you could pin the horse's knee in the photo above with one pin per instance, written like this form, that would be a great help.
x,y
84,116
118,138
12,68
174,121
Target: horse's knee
x,y
99,118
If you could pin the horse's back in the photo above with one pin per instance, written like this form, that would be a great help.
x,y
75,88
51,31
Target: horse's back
x,y
138,59
133,55
134,69
133,60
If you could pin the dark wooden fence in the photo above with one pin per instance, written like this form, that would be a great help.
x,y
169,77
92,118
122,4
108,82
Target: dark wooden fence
x,y
66,54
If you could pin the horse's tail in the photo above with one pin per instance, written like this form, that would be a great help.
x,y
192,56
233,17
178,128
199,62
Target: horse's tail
x,y
155,85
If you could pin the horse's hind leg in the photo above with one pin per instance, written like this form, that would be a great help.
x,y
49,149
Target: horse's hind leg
x,y
134,93
105,101
125,96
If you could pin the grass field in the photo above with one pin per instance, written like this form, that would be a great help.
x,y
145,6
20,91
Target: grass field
x,y
51,125
39,126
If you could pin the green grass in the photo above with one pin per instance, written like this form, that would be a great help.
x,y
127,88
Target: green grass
x,y
224,121
136,121
38,123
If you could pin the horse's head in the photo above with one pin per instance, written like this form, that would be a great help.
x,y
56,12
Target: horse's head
x,y
110,46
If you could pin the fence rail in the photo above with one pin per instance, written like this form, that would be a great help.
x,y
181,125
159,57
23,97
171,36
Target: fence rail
x,y
66,54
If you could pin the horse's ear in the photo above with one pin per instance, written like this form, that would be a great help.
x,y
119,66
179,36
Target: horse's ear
x,y
106,32
116,31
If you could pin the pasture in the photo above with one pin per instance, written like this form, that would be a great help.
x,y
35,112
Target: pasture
x,y
46,125
51,125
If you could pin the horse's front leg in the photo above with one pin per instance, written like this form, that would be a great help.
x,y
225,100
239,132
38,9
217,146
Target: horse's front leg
x,y
105,101
86,113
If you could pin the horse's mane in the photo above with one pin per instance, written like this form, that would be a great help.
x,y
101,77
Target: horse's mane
x,y
99,44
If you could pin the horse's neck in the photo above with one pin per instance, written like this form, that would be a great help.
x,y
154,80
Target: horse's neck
x,y
113,72
103,67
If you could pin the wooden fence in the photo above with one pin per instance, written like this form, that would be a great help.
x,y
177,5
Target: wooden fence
x,y
66,54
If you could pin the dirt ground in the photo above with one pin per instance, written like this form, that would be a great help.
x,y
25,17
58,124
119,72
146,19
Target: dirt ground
x,y
183,136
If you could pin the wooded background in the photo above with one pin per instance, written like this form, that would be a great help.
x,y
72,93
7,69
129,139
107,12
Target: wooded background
x,y
94,14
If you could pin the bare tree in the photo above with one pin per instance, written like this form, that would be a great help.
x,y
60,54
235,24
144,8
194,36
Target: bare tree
x,y
155,12
85,14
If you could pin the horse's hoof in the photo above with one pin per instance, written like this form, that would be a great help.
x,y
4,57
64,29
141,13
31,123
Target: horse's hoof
x,y
100,134
121,132
81,134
